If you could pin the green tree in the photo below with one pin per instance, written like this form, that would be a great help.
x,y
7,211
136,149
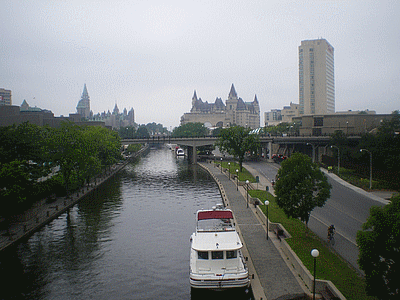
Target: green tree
x,y
127,132
142,132
379,244
190,130
238,141
14,186
300,187
68,150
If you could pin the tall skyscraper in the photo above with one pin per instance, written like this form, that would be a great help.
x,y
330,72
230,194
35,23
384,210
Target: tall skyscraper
x,y
316,78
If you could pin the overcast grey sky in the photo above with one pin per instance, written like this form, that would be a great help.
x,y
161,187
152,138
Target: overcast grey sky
x,y
152,55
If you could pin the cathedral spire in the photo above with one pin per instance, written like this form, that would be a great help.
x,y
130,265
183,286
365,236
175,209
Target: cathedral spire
x,y
232,93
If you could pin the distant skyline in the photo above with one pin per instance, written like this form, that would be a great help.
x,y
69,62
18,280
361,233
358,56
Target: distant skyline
x,y
152,55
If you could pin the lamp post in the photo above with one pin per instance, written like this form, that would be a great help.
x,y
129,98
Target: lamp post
x,y
315,254
229,166
267,221
221,164
313,151
237,179
370,166
247,190
338,158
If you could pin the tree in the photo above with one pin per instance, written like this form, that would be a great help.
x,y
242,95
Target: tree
x,y
14,186
142,132
300,187
379,244
190,130
238,141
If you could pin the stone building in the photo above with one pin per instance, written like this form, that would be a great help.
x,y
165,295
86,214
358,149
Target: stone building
x,y
234,112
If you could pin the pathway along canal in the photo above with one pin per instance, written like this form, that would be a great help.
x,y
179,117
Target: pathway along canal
x,y
128,240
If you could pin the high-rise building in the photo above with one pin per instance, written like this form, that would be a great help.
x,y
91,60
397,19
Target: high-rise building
x,y
5,97
316,78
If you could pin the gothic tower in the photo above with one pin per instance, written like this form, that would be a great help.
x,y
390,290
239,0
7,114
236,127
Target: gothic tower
x,y
83,107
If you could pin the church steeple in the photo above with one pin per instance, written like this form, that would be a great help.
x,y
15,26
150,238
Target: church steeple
x,y
232,93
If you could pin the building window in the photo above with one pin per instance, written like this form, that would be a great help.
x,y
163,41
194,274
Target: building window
x,y
319,121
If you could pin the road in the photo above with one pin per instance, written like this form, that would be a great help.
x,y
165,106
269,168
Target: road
x,y
347,208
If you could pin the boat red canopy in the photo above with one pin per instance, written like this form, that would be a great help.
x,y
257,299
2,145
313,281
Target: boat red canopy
x,y
214,214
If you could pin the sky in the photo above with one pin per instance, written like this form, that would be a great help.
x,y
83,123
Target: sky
x,y
152,55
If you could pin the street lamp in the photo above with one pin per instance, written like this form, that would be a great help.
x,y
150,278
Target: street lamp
x,y
229,166
338,158
237,179
370,167
247,189
221,164
313,151
315,254
267,221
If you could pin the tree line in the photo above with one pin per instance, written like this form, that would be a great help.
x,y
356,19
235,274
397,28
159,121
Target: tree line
x,y
36,162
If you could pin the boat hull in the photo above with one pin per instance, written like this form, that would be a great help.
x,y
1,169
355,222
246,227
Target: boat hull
x,y
221,283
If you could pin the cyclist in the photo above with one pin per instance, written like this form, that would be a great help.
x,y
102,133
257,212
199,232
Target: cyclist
x,y
331,232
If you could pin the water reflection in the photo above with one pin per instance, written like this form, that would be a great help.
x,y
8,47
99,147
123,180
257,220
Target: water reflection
x,y
129,240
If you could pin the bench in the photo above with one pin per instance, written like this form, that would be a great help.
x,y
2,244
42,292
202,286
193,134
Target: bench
x,y
279,232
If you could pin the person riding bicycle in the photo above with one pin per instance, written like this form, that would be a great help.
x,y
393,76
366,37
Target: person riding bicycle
x,y
331,231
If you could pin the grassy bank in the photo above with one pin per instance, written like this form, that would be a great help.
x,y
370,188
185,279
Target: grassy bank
x,y
243,176
330,265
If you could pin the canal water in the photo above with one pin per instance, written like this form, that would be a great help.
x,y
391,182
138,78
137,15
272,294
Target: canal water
x,y
128,240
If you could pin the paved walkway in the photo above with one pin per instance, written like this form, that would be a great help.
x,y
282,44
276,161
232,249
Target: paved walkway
x,y
273,275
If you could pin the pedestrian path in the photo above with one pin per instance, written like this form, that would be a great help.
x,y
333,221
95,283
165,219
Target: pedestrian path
x,y
273,274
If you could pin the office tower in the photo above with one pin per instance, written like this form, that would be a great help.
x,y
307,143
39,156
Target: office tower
x,y
5,97
316,78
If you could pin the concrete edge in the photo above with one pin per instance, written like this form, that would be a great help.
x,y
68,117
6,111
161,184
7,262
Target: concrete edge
x,y
289,255
258,290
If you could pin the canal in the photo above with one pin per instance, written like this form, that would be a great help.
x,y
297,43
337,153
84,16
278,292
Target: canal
x,y
128,240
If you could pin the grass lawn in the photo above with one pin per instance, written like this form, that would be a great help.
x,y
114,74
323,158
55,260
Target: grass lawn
x,y
243,176
330,266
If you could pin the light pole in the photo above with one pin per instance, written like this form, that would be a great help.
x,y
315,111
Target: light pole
x,y
221,164
247,189
315,254
370,167
267,221
237,179
229,166
338,158
313,151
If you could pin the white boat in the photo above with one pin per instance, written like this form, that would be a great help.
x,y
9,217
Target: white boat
x,y
180,152
216,259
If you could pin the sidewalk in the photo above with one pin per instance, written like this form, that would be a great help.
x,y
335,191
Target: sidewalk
x,y
274,278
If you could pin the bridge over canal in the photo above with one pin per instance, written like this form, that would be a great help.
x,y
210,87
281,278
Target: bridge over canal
x,y
315,146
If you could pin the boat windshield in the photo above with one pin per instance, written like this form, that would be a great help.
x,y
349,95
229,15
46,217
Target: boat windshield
x,y
215,225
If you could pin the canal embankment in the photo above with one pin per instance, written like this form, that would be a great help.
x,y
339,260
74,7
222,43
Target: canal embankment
x,y
43,212
272,277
